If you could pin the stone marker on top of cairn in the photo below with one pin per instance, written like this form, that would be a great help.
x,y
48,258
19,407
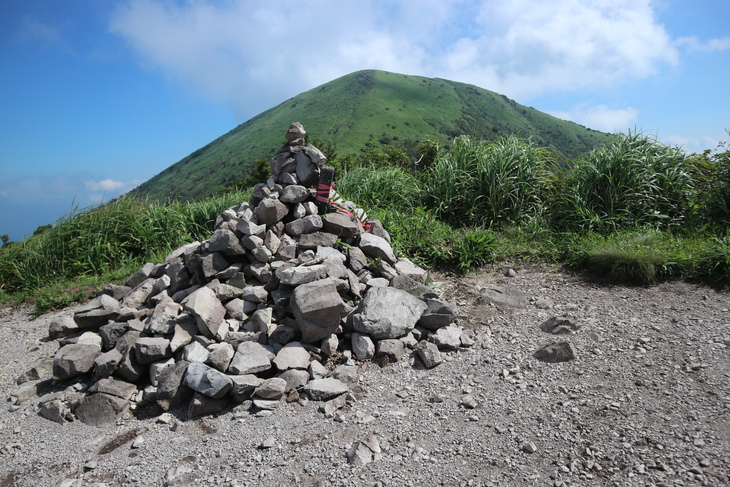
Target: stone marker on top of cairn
x,y
276,305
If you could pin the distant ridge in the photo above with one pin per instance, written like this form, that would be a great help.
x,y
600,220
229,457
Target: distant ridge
x,y
364,107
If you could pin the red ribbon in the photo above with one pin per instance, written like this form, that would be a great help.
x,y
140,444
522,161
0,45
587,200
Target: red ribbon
x,y
323,195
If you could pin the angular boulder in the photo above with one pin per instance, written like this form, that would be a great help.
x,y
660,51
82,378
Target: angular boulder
x,y
97,312
386,312
317,307
74,359
208,311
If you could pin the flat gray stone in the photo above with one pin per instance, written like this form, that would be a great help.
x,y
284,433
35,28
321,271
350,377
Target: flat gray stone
x,y
243,386
162,321
183,332
559,326
346,373
387,313
225,242
448,337
406,267
220,356
270,211
341,225
438,313
208,311
503,297
156,369
73,360
391,348
202,405
294,378
292,356
317,307
106,363
324,389
295,276
250,358
114,387
62,325
129,368
110,333
55,410
556,352
171,392
255,294
139,294
207,380
362,346
97,312
310,241
294,193
152,349
195,352
429,354
308,224
273,388
100,409
377,248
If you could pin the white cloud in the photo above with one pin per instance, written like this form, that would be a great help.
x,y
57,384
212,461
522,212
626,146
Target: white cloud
x,y
694,44
108,189
696,142
255,54
111,185
601,117
73,188
31,30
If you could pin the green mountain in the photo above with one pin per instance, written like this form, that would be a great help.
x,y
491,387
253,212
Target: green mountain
x,y
369,107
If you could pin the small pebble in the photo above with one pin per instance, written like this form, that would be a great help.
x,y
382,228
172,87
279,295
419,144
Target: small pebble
x,y
529,447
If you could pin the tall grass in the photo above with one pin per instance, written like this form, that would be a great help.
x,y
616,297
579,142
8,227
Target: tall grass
x,y
489,184
380,188
631,182
96,241
420,236
634,210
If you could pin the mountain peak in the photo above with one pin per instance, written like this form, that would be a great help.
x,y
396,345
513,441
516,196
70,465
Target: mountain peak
x,y
369,108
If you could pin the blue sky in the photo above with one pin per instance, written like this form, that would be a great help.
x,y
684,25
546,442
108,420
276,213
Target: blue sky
x,y
97,96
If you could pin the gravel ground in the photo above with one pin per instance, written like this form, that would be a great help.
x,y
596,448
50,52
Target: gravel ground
x,y
646,402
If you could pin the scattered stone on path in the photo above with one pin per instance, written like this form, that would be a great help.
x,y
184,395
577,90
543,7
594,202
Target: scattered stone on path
x,y
559,326
556,352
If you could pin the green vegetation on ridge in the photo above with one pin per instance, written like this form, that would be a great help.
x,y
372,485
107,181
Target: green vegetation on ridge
x,y
369,109
652,212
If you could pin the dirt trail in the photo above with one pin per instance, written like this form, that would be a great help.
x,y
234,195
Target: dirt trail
x,y
646,402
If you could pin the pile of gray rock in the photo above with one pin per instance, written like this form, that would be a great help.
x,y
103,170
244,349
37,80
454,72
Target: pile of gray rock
x,y
277,305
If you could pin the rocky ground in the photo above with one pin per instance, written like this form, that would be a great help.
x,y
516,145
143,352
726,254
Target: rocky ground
x,y
646,402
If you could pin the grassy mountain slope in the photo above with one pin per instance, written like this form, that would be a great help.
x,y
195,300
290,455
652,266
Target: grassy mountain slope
x,y
364,107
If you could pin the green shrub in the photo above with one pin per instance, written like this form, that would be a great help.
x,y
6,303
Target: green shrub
x,y
429,242
121,233
485,184
370,188
631,182
711,170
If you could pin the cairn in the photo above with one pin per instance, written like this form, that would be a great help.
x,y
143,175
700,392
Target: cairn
x,y
277,305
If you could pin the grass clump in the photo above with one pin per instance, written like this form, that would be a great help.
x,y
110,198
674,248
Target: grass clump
x,y
421,237
489,183
633,211
380,188
99,242
631,182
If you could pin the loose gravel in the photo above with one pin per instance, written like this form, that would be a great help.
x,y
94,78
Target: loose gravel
x,y
646,402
